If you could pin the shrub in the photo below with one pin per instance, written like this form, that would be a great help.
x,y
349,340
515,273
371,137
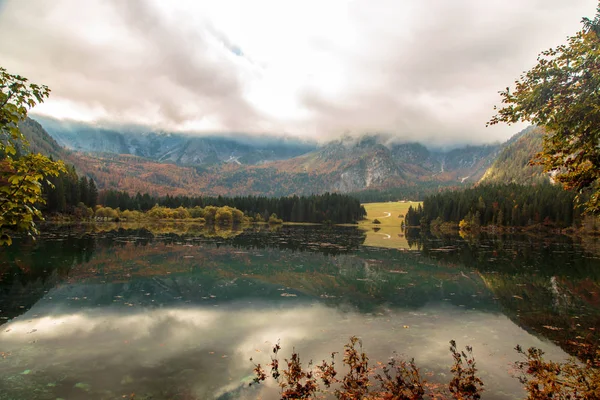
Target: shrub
x,y
81,211
180,213
223,216
547,379
237,215
209,214
107,213
397,380
273,220
132,215
158,212
197,212
402,379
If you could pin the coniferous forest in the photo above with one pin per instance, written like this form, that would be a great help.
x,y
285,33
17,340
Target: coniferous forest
x,y
65,192
508,205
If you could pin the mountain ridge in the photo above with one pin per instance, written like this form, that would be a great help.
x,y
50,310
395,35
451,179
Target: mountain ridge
x,y
178,148
201,165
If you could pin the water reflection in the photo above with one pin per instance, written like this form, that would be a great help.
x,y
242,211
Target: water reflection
x,y
206,349
102,314
549,285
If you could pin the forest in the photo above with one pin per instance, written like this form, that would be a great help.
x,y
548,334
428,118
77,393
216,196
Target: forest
x,y
66,192
505,205
70,194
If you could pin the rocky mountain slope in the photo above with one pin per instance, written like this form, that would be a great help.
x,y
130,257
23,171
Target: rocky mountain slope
x,y
176,164
353,165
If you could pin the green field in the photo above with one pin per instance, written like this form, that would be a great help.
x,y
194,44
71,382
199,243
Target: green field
x,y
388,233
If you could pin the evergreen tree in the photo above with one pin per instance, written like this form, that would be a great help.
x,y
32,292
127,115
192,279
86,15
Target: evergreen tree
x,y
84,190
501,205
92,194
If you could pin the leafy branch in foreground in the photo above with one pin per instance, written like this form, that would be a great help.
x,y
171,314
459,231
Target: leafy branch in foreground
x,y
561,95
21,176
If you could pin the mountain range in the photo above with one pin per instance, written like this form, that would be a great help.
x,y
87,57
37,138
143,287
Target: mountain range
x,y
163,163
180,149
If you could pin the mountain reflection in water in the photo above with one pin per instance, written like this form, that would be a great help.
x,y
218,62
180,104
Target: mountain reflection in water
x,y
107,314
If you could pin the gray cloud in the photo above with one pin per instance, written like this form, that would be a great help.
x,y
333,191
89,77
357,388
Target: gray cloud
x,y
439,82
419,70
158,70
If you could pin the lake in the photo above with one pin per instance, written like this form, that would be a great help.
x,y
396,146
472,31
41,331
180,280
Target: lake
x,y
102,313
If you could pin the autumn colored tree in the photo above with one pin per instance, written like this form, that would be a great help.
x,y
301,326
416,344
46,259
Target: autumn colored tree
x,y
223,216
21,173
561,95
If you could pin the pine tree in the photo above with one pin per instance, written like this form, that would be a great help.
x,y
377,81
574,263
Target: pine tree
x,y
84,190
92,194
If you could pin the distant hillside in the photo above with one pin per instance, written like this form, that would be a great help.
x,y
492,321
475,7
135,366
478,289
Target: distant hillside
x,y
336,167
40,141
354,164
350,165
512,164
370,164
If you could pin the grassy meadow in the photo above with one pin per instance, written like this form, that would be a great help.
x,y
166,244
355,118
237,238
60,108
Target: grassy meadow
x,y
388,233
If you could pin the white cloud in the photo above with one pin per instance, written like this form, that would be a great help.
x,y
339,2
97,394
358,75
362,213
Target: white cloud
x,y
425,70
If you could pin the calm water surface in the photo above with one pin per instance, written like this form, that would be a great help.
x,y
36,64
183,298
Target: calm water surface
x,y
102,315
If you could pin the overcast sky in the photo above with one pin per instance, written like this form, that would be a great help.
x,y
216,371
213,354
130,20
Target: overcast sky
x,y
424,70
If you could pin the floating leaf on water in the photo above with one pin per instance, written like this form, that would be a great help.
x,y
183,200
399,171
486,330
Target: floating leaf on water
x,y
552,328
83,386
